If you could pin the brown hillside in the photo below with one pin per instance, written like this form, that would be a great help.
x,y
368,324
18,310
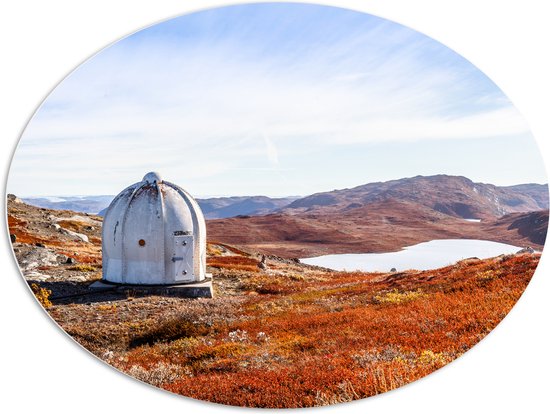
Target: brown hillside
x,y
386,216
531,227
452,195
381,227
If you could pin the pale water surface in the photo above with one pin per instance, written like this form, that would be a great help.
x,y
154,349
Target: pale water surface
x,y
422,256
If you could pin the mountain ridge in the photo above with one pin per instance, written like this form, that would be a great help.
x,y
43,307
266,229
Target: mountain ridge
x,y
387,216
456,196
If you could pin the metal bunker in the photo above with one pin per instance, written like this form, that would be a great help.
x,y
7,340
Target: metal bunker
x,y
154,234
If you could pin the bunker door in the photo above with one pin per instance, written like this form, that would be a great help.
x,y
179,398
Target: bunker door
x,y
183,258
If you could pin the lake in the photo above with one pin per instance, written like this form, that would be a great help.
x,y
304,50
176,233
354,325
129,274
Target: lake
x,y
423,256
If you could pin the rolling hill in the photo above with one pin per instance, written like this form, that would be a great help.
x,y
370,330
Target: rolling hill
x,y
452,195
381,217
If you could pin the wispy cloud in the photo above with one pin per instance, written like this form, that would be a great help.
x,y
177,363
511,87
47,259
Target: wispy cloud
x,y
271,150
206,94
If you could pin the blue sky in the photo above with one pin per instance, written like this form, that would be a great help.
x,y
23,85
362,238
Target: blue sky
x,y
275,99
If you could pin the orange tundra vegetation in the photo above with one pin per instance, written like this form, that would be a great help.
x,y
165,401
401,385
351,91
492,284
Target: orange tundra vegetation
x,y
17,227
278,333
328,337
234,263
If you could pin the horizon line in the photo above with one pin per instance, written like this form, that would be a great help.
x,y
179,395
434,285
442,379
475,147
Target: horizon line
x,y
210,196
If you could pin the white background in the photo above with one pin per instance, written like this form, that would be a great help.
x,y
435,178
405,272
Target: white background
x,y
42,369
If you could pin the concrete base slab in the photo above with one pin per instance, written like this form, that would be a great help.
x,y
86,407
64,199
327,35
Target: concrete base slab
x,y
189,290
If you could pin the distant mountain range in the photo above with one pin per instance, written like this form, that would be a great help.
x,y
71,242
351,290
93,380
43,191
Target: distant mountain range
x,y
374,217
213,208
387,216
83,204
223,207
452,195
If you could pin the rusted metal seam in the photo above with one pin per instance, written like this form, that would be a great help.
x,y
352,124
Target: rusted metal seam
x,y
109,209
163,216
124,267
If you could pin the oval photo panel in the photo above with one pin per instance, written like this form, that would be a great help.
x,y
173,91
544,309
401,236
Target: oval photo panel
x,y
277,205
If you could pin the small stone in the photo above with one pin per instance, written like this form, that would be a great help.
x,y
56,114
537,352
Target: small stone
x,y
13,238
263,265
527,249
14,198
39,244
393,270
70,260
78,279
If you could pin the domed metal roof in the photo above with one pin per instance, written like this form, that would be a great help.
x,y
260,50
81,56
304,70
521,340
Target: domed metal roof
x,y
154,234
152,177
